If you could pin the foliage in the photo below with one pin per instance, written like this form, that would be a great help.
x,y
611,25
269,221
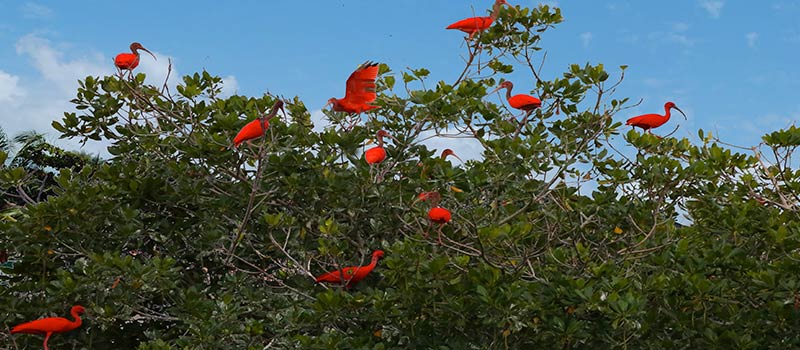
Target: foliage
x,y
559,239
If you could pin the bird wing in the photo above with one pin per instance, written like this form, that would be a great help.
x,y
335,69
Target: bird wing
x,y
472,24
50,324
361,84
646,120
523,101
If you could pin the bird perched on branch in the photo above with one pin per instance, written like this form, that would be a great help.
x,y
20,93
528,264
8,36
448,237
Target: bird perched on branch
x,y
50,325
351,275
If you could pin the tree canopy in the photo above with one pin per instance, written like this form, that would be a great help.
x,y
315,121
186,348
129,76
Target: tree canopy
x,y
563,235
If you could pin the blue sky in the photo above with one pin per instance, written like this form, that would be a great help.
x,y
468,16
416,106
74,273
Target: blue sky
x,y
730,65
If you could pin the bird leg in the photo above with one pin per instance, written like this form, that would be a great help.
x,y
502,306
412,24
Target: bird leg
x,y
46,338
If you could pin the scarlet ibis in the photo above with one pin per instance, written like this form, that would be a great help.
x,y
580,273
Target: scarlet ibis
x,y
360,91
649,121
449,152
522,102
351,275
129,61
436,214
474,25
377,154
50,325
257,127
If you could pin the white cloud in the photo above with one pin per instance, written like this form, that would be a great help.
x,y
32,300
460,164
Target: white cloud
x,y
35,11
586,38
10,90
713,7
230,86
751,38
54,68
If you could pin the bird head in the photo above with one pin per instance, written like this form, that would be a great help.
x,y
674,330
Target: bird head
x,y
383,133
136,46
497,3
377,254
504,85
331,102
671,105
77,309
449,152
431,196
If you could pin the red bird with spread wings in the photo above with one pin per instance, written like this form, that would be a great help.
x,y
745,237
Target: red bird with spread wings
x,y
474,25
351,275
360,91
129,61
650,121
50,325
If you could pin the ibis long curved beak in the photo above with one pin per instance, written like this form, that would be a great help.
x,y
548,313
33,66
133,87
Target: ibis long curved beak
x,y
495,90
330,103
457,157
679,110
151,54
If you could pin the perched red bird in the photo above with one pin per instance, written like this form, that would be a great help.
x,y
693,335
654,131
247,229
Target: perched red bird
x,y
439,215
377,154
522,102
351,275
129,61
256,128
650,121
475,25
449,152
360,91
50,325
436,214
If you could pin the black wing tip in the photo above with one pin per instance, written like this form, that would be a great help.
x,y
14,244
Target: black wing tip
x,y
368,64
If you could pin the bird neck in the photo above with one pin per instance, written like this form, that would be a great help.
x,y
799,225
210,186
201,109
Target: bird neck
x,y
667,112
508,92
380,140
372,263
77,320
495,11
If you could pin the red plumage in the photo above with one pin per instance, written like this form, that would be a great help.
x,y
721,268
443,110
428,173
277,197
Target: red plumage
x,y
50,325
439,215
129,61
650,121
475,25
375,155
351,275
472,25
520,101
251,130
360,90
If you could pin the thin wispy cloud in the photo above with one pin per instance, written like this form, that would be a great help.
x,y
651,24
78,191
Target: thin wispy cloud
x,y
713,7
586,38
677,35
35,11
751,38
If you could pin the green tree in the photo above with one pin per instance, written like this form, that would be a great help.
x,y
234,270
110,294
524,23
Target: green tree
x,y
558,240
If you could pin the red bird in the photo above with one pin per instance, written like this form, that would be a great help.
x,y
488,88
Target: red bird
x,y
256,128
436,214
449,152
129,61
360,91
377,154
351,275
474,25
522,102
50,325
650,121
